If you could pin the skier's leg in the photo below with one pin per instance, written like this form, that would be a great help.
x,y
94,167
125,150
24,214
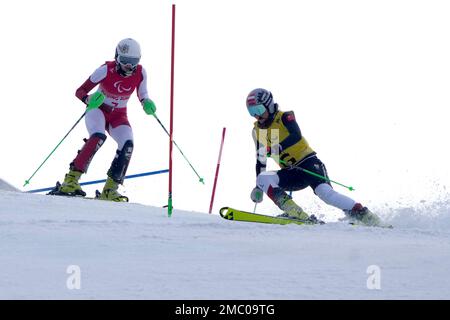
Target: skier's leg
x,y
268,182
95,121
267,179
350,207
333,198
95,124
123,135
86,154
321,188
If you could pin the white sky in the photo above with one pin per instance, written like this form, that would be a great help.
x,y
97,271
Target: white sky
x,y
368,80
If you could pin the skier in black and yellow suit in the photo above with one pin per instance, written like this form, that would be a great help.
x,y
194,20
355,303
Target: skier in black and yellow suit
x,y
276,133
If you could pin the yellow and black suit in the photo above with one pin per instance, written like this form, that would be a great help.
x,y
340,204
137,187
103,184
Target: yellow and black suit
x,y
280,135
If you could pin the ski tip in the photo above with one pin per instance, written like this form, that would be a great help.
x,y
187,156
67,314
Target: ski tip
x,y
221,212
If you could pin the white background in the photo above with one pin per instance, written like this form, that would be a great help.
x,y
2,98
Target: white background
x,y
368,81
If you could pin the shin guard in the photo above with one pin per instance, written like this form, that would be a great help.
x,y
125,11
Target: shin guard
x,y
85,155
120,163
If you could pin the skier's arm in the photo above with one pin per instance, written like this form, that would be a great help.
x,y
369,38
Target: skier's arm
x,y
82,92
294,130
142,93
261,157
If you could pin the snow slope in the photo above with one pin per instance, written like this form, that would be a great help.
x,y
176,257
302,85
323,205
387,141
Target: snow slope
x,y
6,186
132,251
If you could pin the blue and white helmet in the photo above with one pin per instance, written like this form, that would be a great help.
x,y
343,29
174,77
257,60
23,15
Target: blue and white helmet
x,y
128,55
261,97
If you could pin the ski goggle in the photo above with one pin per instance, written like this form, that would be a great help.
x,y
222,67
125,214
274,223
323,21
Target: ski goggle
x,y
256,110
128,60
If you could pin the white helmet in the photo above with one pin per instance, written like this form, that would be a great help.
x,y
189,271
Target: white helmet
x,y
128,55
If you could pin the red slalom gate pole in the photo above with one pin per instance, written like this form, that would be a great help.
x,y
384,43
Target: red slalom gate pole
x,y
217,171
169,204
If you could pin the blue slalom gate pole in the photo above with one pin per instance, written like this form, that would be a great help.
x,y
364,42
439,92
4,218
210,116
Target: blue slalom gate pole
x,y
131,176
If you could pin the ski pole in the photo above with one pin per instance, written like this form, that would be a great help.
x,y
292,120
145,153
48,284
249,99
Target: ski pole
x,y
95,101
317,175
28,180
164,128
217,171
326,179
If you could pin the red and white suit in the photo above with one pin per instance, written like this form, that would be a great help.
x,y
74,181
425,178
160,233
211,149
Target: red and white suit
x,y
112,114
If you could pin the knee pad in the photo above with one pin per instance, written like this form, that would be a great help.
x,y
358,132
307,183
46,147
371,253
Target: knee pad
x,y
267,179
87,152
121,161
